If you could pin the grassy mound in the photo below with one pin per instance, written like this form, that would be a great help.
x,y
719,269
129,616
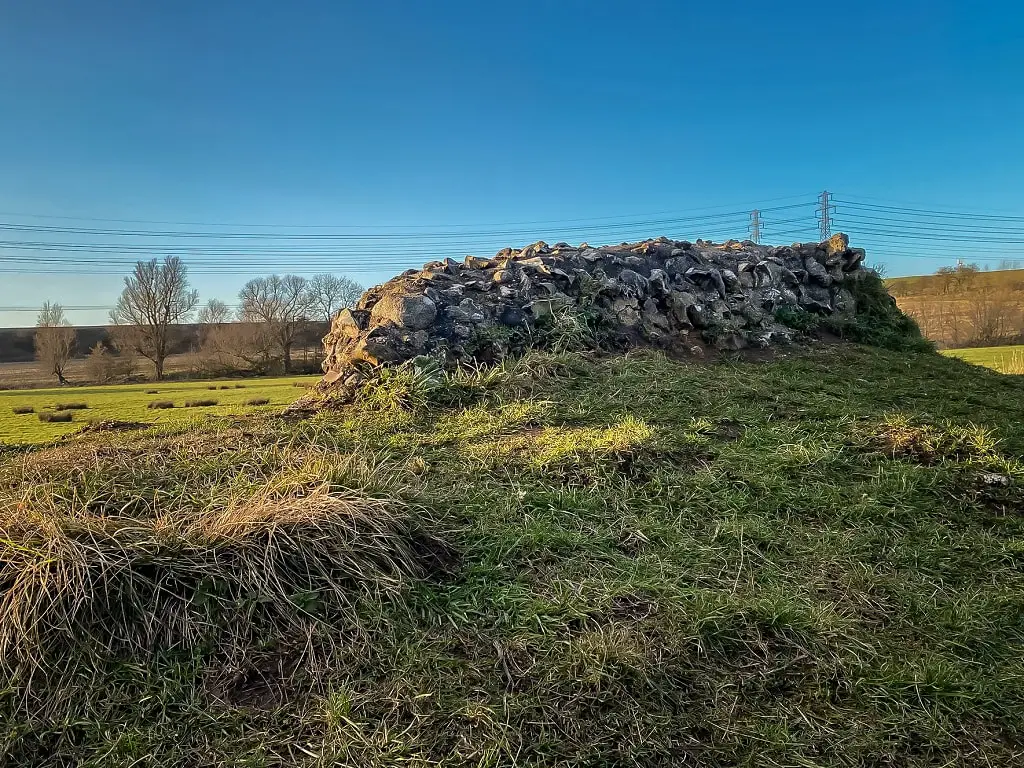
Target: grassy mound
x,y
565,560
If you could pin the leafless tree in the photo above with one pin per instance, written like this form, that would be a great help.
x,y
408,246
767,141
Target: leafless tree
x,y
994,315
55,340
214,312
212,315
946,277
100,365
329,293
233,347
283,304
155,297
966,276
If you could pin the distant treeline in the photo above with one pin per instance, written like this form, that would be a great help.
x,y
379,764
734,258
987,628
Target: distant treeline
x,y
965,306
17,345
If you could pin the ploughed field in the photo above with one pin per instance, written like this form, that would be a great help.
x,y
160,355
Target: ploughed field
x,y
569,560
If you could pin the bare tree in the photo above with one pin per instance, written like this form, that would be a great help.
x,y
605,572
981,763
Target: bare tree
x,y
966,276
55,340
946,277
100,365
994,315
155,297
283,304
214,312
329,293
233,347
212,315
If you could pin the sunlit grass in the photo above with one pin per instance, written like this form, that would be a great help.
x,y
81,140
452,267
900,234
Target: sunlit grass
x,y
134,402
569,561
1003,359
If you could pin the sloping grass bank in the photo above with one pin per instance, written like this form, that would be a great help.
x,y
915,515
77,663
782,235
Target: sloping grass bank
x,y
571,561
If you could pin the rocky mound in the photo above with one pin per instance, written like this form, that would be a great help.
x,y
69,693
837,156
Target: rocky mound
x,y
660,292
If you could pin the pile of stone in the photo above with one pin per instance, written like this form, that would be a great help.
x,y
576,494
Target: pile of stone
x,y
663,293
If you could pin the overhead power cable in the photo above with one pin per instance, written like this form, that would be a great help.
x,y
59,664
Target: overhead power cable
x,y
381,236
930,213
413,226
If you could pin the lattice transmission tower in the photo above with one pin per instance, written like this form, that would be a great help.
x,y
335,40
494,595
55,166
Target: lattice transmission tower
x,y
824,215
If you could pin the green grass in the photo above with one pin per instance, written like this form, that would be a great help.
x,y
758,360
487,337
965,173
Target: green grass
x,y
1003,359
130,403
569,561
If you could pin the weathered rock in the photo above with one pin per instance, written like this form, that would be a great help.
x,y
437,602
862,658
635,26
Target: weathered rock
x,y
410,311
817,272
816,299
349,322
627,311
634,285
659,283
836,245
659,290
679,305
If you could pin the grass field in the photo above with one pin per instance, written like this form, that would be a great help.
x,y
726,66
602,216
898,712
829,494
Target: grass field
x,y
1002,359
816,560
28,375
131,403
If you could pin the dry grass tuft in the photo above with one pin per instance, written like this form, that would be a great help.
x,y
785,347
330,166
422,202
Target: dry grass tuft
x,y
112,425
23,409
930,444
70,406
52,417
226,575
199,403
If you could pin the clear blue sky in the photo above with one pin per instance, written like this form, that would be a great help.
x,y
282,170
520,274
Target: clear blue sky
x,y
411,116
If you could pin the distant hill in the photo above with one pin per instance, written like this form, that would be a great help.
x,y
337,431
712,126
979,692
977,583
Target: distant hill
x,y
965,307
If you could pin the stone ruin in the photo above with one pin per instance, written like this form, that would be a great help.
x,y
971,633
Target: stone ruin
x,y
675,295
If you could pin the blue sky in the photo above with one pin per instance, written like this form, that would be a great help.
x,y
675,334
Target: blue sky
x,y
405,117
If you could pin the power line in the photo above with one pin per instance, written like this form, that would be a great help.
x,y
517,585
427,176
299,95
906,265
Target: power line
x,y
982,230
888,230
77,250
337,226
382,236
910,207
